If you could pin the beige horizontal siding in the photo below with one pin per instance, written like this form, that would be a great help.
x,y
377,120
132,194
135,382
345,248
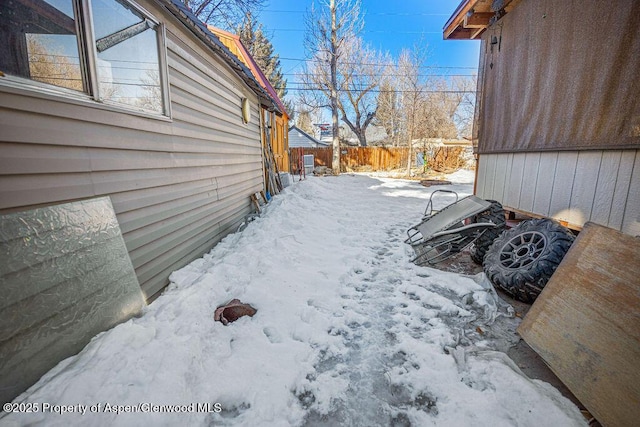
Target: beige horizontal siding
x,y
178,186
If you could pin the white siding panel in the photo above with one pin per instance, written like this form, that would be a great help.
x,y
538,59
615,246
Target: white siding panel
x,y
628,162
481,176
529,181
545,180
563,185
584,186
513,185
605,188
631,221
502,167
598,186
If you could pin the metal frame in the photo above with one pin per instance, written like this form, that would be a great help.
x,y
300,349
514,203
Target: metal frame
x,y
446,232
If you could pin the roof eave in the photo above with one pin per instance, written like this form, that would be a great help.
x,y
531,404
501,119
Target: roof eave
x,y
184,15
472,17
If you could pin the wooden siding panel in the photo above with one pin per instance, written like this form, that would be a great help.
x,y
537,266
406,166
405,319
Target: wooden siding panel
x,y
545,180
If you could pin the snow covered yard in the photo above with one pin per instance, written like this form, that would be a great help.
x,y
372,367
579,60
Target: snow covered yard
x,y
348,331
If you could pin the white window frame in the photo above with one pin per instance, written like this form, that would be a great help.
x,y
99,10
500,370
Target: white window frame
x,y
88,63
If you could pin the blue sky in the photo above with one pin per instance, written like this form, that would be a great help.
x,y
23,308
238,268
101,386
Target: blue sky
x,y
390,26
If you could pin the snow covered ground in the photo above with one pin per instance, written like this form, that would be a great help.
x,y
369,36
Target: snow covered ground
x,y
348,331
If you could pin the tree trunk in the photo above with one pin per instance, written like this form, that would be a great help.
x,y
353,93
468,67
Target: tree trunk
x,y
335,161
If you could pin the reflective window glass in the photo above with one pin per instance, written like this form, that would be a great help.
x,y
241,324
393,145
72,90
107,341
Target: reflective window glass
x,y
40,42
127,48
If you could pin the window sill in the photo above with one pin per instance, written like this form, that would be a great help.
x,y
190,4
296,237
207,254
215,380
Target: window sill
x,y
17,86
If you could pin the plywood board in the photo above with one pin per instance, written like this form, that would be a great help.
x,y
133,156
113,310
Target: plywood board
x,y
586,324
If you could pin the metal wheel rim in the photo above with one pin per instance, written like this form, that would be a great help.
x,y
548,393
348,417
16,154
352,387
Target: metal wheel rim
x,y
522,250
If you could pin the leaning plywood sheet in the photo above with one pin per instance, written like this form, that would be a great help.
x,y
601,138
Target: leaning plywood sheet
x,y
65,275
586,324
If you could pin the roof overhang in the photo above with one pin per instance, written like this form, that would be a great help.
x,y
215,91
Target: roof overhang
x,y
472,17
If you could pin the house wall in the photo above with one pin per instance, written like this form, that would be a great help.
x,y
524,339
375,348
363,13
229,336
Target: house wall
x,y
558,116
570,186
552,83
177,185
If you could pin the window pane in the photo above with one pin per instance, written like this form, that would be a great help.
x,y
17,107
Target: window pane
x,y
128,64
40,42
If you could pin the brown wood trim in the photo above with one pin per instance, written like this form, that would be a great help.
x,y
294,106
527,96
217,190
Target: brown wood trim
x,y
574,227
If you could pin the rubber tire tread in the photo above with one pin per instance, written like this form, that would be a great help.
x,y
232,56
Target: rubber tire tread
x,y
495,214
526,283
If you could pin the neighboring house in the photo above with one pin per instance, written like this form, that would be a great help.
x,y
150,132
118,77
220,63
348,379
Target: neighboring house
x,y
558,111
277,138
138,101
299,138
376,135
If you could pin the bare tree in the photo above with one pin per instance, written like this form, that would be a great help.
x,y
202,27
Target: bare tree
x,y
412,99
223,13
328,28
303,121
465,88
387,111
359,72
439,108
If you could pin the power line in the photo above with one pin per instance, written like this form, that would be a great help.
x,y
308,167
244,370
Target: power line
x,y
302,30
389,75
366,13
372,64
313,89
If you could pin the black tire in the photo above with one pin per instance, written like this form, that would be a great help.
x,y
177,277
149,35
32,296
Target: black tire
x,y
522,260
494,214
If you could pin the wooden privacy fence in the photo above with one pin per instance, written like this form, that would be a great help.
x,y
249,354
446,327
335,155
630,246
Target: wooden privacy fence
x,y
379,158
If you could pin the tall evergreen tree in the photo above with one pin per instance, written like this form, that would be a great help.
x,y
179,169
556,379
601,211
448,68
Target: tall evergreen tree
x,y
257,43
